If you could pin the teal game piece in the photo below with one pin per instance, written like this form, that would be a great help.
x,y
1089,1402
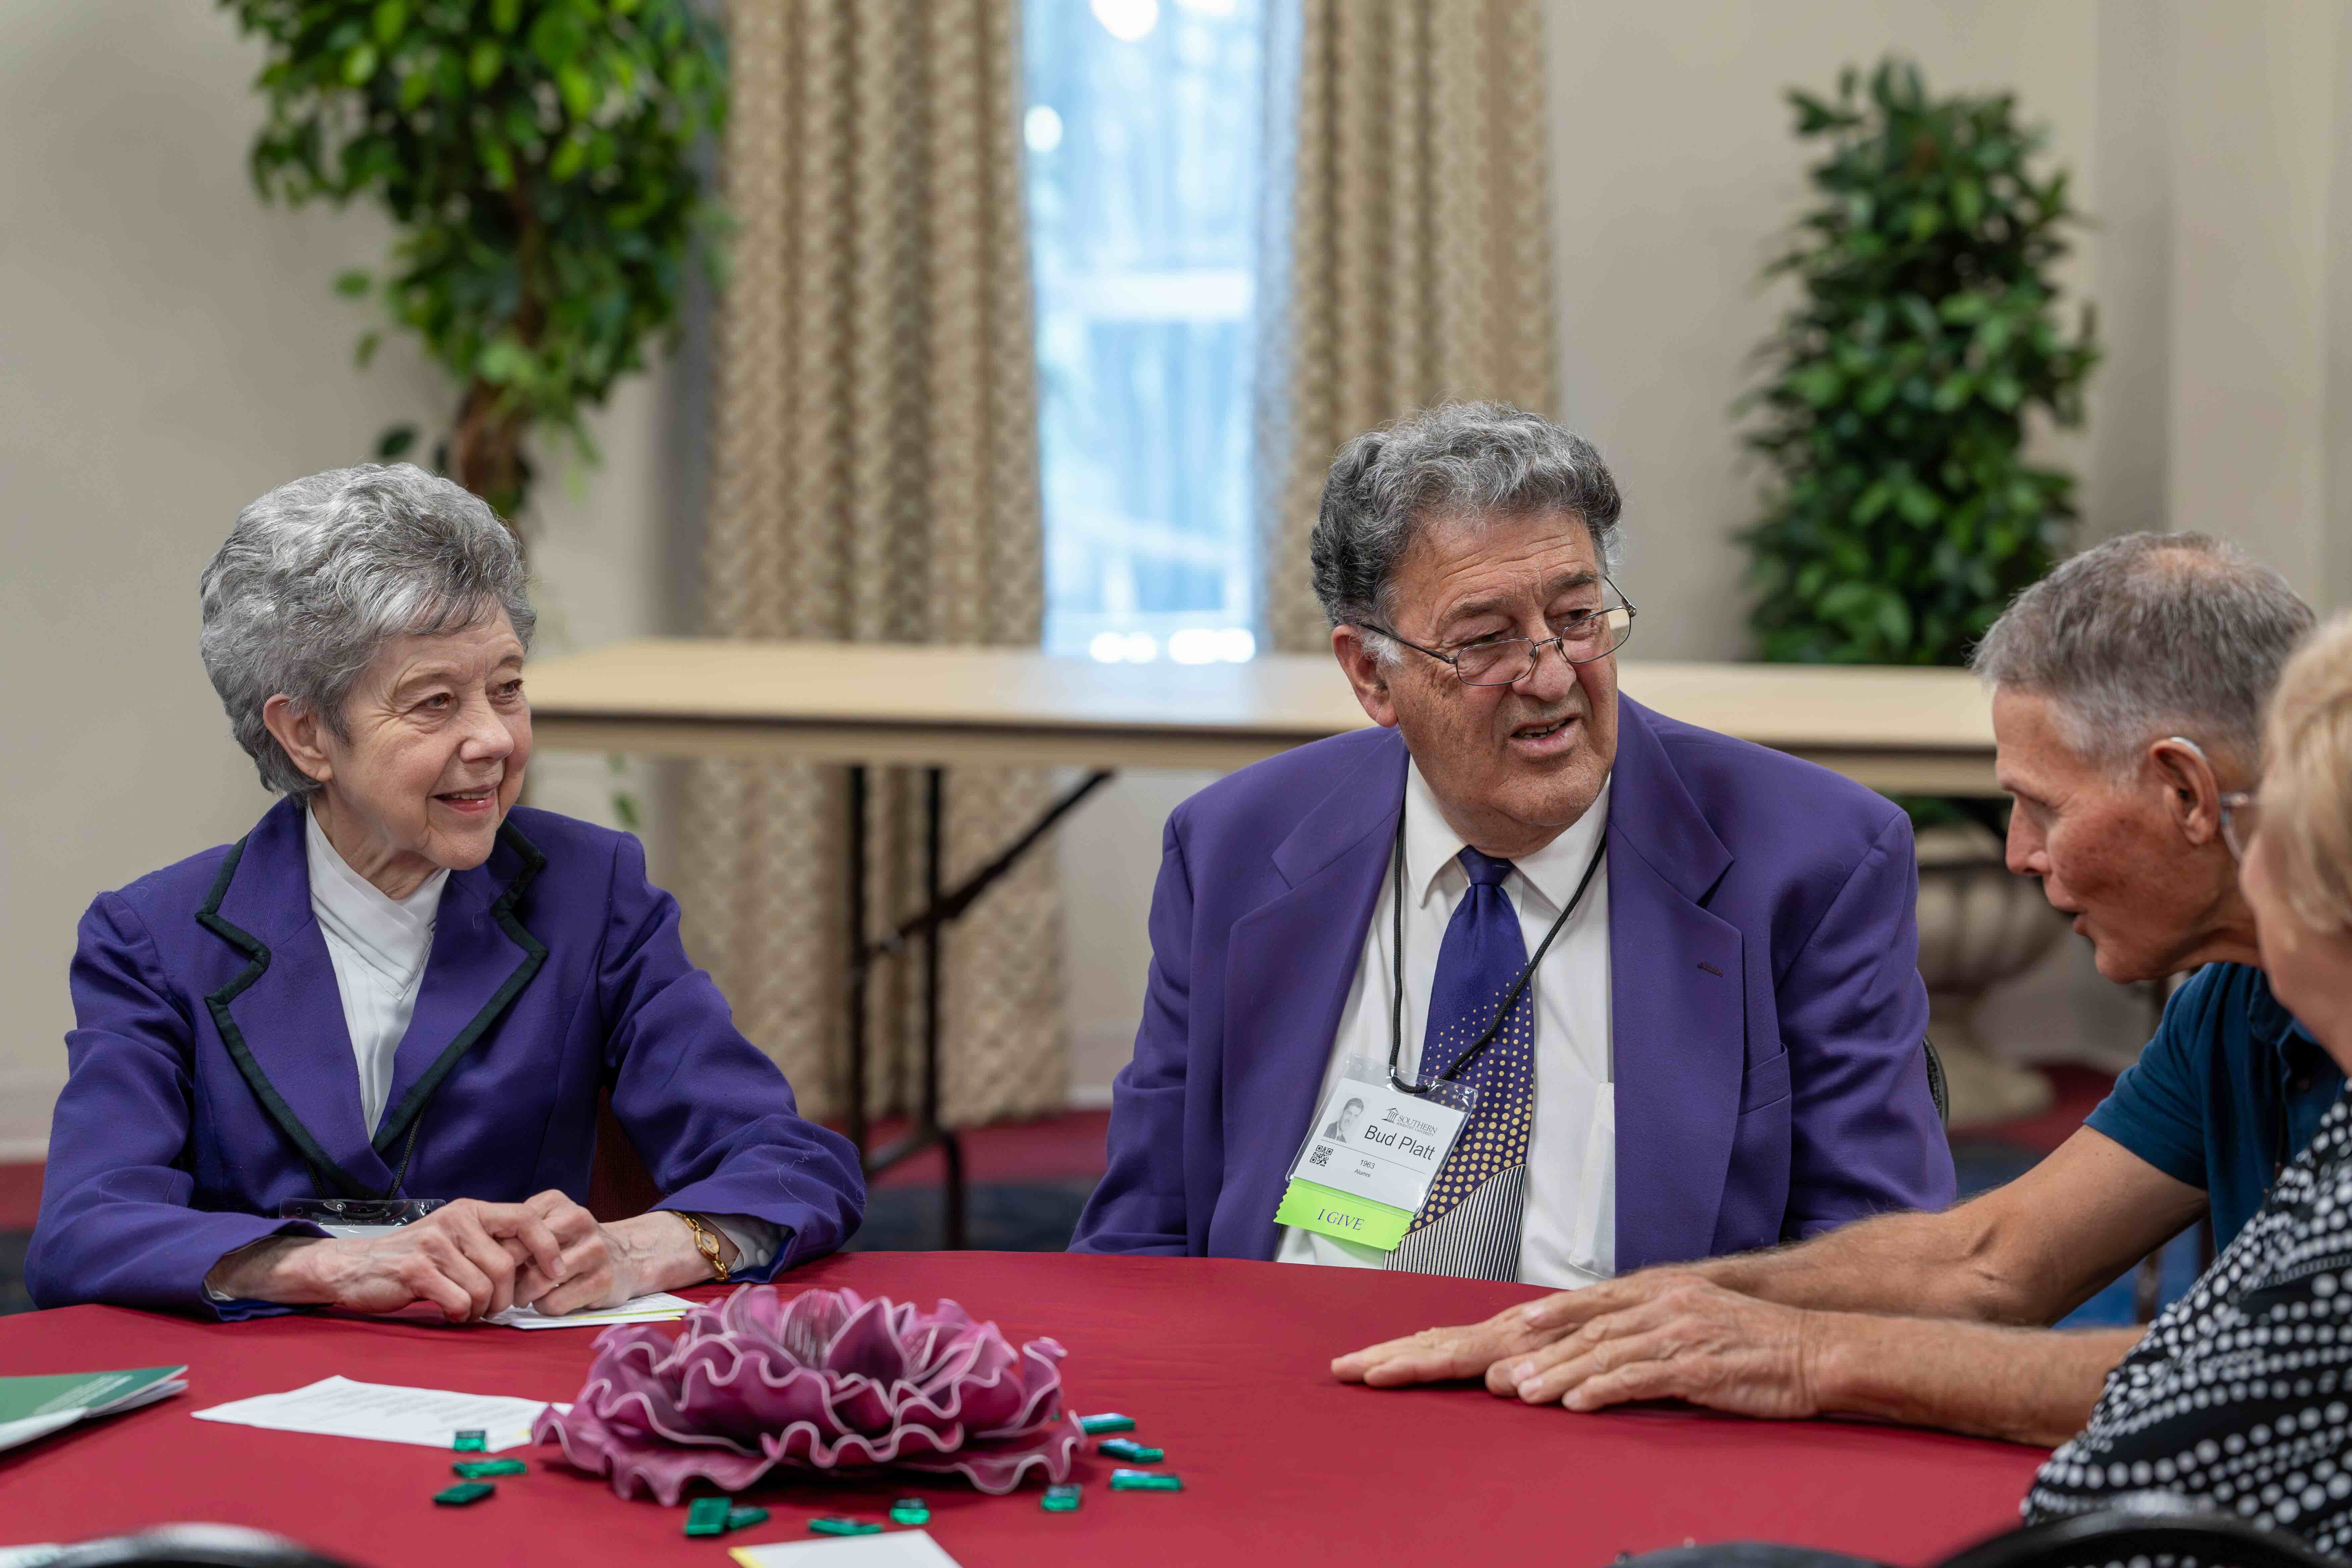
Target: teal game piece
x,y
1127,1448
1095,1426
829,1525
463,1493
707,1516
472,1440
910,1511
1060,1499
744,1518
483,1469
1145,1481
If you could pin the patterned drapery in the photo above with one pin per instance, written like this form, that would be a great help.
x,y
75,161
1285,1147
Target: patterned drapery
x,y
876,480
1408,250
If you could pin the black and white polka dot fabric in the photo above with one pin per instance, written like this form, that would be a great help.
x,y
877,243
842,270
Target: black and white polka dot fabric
x,y
2240,1395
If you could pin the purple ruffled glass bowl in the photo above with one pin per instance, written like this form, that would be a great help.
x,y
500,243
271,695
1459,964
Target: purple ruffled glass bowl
x,y
825,1382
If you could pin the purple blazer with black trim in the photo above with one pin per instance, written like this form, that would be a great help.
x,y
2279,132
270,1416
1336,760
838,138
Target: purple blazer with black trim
x,y
1772,1082
212,1075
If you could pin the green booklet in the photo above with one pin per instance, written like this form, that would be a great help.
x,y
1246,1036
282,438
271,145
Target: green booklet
x,y
33,1406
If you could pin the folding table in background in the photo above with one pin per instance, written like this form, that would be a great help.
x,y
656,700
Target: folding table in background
x,y
869,705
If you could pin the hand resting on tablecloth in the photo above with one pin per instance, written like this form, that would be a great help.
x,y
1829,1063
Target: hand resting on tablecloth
x,y
472,1259
1662,1333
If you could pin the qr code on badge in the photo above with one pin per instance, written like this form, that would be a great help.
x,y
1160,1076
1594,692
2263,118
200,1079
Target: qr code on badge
x,y
1322,1155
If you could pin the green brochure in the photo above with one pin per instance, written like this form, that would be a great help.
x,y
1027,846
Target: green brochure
x,y
31,1407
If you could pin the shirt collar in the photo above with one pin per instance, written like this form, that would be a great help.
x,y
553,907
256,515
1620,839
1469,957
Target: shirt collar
x,y
2268,1021
393,935
1551,873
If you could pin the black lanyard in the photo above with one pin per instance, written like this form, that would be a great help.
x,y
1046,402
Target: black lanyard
x,y
1510,997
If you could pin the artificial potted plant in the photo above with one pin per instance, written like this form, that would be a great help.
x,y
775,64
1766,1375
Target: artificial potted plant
x,y
539,160
1904,511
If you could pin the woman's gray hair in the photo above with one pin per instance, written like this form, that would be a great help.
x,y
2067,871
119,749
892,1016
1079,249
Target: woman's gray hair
x,y
1456,460
319,572
2148,636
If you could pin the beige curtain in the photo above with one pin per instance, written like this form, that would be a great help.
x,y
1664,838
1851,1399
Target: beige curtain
x,y
876,479
1409,253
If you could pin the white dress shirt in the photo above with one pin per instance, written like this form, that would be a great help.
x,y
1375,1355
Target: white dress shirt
x,y
1569,1233
379,946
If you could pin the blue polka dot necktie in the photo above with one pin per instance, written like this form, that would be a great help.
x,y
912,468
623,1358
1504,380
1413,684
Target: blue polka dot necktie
x,y
1469,1224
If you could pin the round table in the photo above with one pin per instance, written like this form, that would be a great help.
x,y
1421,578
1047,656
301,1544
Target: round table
x,y
1225,1364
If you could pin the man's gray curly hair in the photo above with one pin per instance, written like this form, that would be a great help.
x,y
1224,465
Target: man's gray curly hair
x,y
1459,460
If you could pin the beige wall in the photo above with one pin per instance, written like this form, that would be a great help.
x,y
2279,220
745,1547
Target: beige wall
x,y
2203,136
169,349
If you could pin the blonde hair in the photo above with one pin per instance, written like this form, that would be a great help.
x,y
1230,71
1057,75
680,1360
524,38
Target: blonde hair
x,y
2306,791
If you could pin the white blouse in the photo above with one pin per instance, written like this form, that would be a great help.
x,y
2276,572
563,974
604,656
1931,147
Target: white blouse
x,y
379,946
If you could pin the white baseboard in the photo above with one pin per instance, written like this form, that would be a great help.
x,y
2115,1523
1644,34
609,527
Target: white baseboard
x,y
1089,1097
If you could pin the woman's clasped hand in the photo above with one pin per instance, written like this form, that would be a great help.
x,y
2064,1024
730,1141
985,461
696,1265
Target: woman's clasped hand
x,y
468,1258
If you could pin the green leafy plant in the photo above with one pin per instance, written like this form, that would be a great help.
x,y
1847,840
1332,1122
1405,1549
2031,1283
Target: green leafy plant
x,y
540,158
1904,514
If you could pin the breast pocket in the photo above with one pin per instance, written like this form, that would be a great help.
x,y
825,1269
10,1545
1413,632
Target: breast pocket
x,y
1768,1084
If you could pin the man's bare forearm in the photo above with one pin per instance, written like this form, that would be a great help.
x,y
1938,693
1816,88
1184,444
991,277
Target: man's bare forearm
x,y
1915,1265
2026,1385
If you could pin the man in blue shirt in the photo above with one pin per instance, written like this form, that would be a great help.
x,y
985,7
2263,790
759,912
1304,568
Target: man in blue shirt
x,y
2127,695
2228,1091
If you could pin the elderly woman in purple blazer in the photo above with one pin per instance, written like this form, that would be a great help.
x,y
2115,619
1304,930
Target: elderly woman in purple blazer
x,y
400,985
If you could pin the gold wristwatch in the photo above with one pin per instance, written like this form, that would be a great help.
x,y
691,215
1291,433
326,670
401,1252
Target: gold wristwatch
x,y
706,1242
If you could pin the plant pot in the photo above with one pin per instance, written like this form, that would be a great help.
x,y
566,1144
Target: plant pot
x,y
1978,925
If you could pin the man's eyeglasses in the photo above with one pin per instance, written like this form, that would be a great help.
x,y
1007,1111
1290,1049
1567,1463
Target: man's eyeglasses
x,y
2241,818
1581,637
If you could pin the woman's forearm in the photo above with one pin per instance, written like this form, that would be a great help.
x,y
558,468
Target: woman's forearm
x,y
270,1269
658,1253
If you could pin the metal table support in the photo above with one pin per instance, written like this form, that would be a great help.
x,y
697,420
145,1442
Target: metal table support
x,y
939,909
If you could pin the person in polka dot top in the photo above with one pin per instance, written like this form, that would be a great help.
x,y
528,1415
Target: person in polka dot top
x,y
2240,1395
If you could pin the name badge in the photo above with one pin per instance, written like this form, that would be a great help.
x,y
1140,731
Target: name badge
x,y
1371,1154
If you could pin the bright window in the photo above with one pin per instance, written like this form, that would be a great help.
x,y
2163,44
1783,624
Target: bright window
x,y
1142,131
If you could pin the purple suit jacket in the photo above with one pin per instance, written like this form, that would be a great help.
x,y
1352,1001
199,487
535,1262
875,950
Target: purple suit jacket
x,y
212,1077
1769,1014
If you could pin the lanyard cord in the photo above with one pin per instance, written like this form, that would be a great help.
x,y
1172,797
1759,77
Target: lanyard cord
x,y
400,1177
1510,997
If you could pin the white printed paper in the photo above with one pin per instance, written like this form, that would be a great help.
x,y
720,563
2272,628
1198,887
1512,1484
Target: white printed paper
x,y
385,1413
892,1549
661,1306
1374,1142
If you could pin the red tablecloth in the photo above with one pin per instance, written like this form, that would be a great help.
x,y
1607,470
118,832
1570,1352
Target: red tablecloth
x,y
1224,1365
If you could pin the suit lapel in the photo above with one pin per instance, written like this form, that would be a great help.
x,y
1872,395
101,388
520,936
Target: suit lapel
x,y
482,957
1289,965
280,1017
1677,1004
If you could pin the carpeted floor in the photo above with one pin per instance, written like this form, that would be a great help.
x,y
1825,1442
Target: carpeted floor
x,y
1029,1181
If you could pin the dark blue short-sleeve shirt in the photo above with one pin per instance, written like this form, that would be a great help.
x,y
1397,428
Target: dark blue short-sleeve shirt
x,y
2227,1093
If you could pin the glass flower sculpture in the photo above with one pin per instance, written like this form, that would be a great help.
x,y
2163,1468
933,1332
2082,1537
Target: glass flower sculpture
x,y
826,1381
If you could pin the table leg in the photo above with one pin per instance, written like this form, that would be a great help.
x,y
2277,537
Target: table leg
x,y
861,956
950,1146
940,907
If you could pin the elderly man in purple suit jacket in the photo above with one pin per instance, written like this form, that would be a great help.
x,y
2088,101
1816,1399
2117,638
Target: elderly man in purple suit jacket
x,y
1677,969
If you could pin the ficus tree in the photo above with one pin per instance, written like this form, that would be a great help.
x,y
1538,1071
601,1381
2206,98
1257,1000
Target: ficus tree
x,y
540,161
1903,512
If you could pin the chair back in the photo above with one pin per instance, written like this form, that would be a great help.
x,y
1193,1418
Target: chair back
x,y
2144,1530
193,1546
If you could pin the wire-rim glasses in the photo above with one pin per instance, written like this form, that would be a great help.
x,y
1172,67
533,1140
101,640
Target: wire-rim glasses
x,y
1586,636
2241,818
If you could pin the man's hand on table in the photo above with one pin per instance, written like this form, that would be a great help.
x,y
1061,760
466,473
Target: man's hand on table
x,y
1663,1334
1680,1338
1440,1355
